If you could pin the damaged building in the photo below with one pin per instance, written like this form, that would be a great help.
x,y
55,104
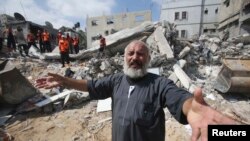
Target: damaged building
x,y
192,18
207,16
19,21
109,24
235,17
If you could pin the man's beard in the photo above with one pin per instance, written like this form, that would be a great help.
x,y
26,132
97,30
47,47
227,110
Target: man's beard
x,y
135,73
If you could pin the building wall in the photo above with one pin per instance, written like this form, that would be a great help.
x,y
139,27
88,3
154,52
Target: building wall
x,y
210,16
196,21
4,18
7,20
107,25
229,11
229,18
245,17
191,24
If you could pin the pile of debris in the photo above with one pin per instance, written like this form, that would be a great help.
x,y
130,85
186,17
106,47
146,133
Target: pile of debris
x,y
190,64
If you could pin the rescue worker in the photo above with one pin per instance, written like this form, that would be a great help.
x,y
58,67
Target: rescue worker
x,y
70,43
76,44
21,42
31,40
46,40
139,99
40,41
64,50
102,45
11,43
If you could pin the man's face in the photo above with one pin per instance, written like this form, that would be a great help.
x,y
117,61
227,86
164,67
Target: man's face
x,y
136,60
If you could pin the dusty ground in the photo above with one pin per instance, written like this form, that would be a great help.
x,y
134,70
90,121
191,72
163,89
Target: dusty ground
x,y
79,123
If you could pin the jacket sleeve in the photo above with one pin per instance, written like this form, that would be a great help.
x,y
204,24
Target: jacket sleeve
x,y
173,98
101,88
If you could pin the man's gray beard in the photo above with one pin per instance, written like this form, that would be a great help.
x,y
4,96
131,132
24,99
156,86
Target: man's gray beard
x,y
135,73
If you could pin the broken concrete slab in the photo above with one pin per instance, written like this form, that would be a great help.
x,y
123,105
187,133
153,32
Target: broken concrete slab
x,y
15,88
213,47
184,52
215,40
34,52
53,98
123,34
154,71
234,76
104,105
162,43
173,76
118,41
183,77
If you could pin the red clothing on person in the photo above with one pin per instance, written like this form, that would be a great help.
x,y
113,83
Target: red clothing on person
x,y
64,45
102,42
45,36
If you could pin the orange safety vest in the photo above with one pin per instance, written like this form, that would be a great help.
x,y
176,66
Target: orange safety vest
x,y
102,42
63,45
45,36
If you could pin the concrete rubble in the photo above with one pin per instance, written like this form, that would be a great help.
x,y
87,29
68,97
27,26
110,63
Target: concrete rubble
x,y
189,64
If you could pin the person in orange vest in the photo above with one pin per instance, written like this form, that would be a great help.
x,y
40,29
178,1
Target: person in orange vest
x,y
76,44
40,41
64,50
46,40
70,43
102,45
31,40
11,42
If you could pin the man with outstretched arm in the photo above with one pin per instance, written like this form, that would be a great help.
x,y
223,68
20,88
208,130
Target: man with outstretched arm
x,y
139,97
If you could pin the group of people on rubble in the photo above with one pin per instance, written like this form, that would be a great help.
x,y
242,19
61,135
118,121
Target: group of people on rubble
x,y
73,42
18,40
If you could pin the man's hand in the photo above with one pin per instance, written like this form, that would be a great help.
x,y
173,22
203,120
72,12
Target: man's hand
x,y
200,115
53,80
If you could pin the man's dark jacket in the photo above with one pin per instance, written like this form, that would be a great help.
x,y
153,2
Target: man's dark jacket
x,y
137,105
